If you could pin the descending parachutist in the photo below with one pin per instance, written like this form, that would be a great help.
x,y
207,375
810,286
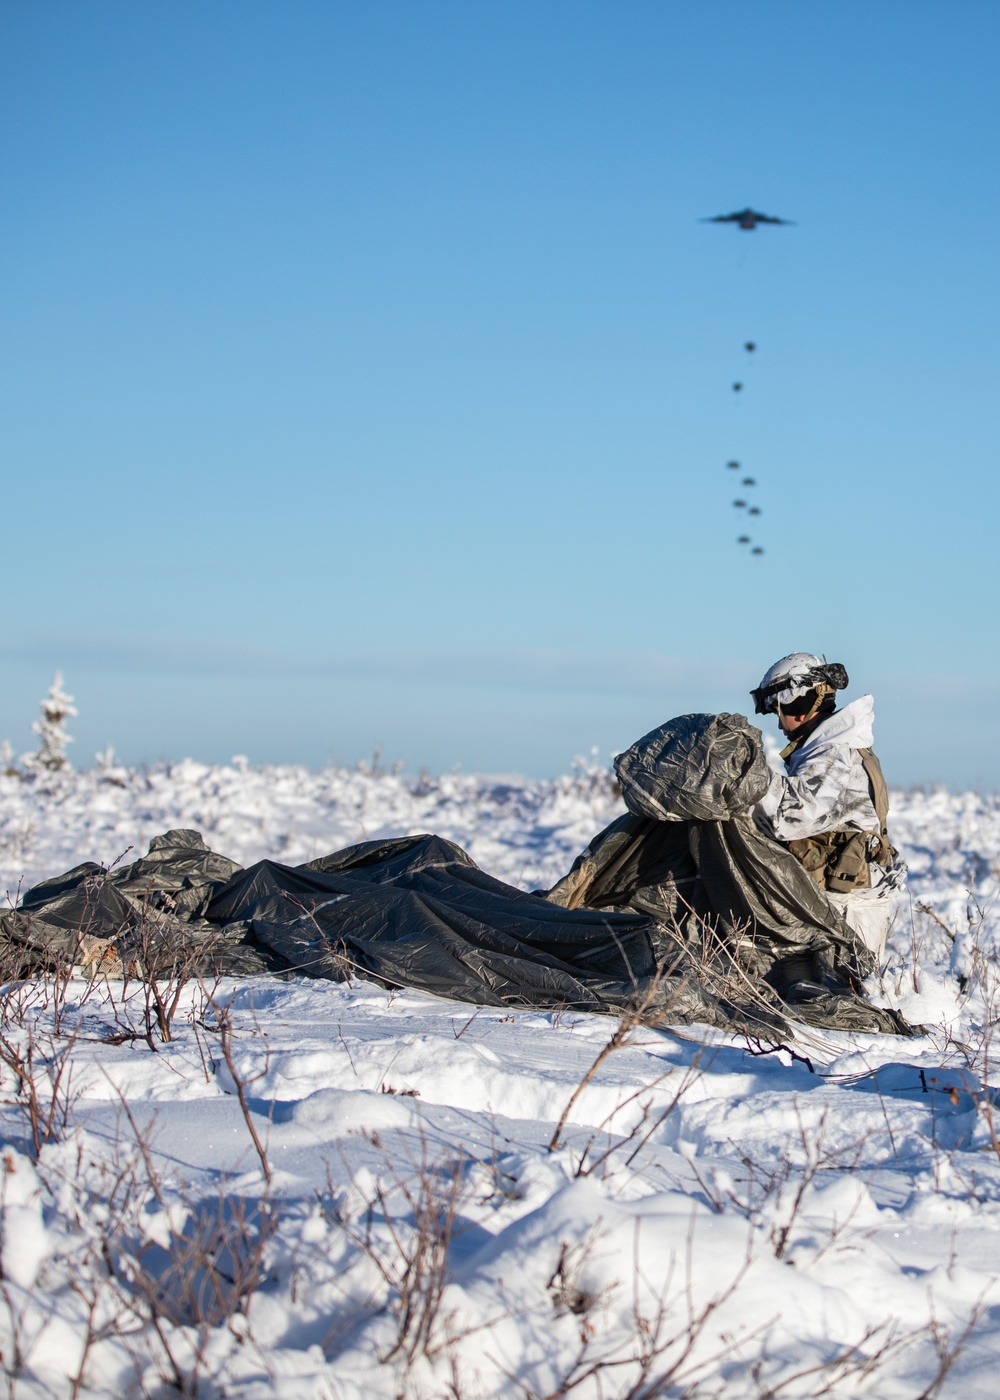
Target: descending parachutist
x,y
747,220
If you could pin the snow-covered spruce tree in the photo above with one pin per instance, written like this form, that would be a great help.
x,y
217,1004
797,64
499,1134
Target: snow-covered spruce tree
x,y
56,707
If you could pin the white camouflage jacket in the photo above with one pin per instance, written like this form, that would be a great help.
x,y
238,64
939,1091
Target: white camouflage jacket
x,y
826,787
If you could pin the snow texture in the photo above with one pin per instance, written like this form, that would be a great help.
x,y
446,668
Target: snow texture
x,y
330,1190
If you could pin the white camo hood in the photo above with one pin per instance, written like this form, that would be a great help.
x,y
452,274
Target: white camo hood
x,y
851,726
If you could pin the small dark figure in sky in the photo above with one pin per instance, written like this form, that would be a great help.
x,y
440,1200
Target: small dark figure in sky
x,y
748,481
737,387
754,510
743,539
734,466
740,505
747,219
750,346
757,549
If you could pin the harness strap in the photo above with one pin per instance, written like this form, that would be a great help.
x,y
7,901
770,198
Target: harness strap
x,y
880,801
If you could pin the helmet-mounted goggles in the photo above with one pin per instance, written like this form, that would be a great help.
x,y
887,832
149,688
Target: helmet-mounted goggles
x,y
784,689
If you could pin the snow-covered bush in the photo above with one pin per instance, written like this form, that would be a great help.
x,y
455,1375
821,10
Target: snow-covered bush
x,y
108,769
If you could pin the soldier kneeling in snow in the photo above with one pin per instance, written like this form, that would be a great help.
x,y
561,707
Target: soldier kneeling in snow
x,y
831,808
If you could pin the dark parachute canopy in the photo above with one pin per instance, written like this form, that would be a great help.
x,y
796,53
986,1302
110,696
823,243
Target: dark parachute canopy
x,y
682,905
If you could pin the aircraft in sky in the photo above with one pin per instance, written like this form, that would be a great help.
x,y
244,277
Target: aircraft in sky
x,y
746,219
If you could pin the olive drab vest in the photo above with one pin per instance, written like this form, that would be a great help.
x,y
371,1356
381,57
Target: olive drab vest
x,y
840,861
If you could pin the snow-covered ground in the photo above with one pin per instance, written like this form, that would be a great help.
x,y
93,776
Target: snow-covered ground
x,y
318,1190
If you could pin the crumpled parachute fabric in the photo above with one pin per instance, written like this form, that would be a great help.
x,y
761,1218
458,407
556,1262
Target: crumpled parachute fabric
x,y
694,913
699,768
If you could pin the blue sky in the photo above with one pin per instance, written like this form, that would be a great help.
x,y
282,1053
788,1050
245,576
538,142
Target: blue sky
x,y
366,372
